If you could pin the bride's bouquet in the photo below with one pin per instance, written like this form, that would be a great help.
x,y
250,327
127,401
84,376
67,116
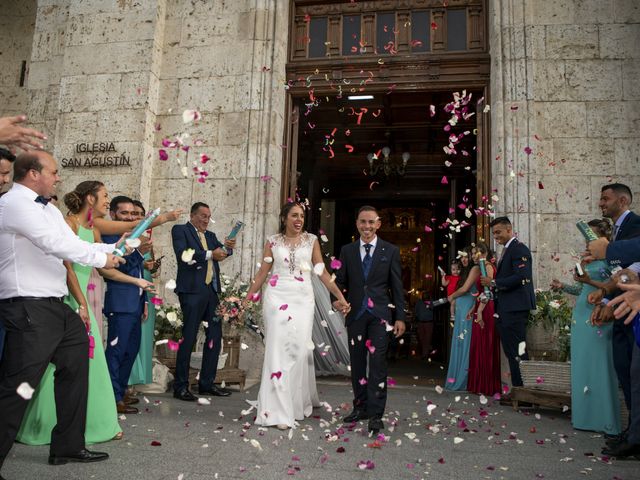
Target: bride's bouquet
x,y
230,310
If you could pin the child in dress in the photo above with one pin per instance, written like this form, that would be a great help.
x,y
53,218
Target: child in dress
x,y
451,282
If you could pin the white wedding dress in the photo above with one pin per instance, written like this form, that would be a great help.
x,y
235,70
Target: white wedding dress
x,y
288,387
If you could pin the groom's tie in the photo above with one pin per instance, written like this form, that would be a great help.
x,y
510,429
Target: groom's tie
x,y
366,266
366,261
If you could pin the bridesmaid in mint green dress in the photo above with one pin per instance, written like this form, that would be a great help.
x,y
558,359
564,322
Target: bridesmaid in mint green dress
x,y
595,405
142,371
89,200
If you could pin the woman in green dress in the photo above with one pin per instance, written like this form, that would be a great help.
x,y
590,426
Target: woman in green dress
x,y
594,385
142,371
89,198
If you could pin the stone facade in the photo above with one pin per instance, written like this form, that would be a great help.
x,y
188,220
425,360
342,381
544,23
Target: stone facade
x,y
564,76
562,83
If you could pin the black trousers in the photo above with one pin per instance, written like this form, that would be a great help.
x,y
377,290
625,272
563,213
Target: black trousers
x,y
40,332
369,391
512,327
196,308
623,342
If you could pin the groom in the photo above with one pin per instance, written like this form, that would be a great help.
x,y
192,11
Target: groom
x,y
371,277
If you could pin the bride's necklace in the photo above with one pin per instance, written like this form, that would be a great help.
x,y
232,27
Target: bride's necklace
x,y
292,252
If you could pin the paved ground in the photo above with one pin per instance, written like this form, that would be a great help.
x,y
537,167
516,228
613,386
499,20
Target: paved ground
x,y
461,439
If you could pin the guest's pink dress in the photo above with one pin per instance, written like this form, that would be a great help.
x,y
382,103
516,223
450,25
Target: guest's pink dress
x,y
484,354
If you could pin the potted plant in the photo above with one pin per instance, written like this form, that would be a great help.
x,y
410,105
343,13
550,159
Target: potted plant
x,y
168,331
549,326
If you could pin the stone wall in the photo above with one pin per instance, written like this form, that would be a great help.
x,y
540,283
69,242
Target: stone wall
x,y
17,24
123,71
564,83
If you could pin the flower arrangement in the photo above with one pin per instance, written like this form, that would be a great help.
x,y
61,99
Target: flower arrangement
x,y
232,292
554,314
169,322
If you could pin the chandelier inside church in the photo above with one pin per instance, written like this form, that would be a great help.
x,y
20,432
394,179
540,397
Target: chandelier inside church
x,y
387,165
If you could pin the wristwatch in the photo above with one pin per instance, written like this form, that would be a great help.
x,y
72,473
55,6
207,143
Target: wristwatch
x,y
493,284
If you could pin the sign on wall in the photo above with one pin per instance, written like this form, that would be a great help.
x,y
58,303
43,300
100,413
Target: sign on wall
x,y
97,154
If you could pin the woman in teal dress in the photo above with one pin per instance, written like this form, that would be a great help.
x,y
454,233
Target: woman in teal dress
x,y
458,371
102,418
142,371
595,405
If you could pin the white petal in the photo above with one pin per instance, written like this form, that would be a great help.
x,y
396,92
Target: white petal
x,y
25,391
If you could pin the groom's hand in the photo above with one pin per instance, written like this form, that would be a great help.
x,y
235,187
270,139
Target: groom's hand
x,y
399,328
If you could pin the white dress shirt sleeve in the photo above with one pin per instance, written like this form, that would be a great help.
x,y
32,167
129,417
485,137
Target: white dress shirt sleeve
x,y
24,219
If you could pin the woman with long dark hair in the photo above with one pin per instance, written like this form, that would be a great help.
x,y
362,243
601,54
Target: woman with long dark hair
x,y
464,296
288,389
484,352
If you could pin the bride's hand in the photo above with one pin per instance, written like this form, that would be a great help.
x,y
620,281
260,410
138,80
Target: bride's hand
x,y
342,306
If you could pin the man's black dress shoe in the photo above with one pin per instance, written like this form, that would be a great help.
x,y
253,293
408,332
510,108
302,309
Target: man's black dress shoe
x,y
83,456
375,425
215,391
622,450
185,395
355,416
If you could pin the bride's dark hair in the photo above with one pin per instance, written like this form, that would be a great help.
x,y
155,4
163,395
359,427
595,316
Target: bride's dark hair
x,y
284,213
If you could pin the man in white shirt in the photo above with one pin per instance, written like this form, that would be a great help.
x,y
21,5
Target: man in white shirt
x,y
34,241
6,168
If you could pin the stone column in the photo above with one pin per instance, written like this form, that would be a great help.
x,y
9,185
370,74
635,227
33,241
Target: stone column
x,y
563,84
225,59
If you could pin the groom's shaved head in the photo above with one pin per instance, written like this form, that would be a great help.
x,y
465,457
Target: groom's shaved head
x,y
367,208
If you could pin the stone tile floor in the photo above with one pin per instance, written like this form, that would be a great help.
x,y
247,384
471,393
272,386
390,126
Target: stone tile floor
x,y
460,438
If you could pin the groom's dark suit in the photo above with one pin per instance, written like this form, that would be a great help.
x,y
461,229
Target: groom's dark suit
x,y
370,298
514,298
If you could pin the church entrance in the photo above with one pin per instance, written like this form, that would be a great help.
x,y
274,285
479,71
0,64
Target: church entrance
x,y
404,133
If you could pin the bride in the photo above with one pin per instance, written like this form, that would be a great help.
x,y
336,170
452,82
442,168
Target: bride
x,y
288,389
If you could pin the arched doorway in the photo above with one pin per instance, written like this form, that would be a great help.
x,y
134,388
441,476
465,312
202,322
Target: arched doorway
x,y
370,86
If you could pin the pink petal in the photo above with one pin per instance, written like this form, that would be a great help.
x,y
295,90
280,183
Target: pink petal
x,y
273,280
528,150
91,286
362,381
336,264
369,303
204,158
284,306
163,154
157,301
277,375
173,346
444,181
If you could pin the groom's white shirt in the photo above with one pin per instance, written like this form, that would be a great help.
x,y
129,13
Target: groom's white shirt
x,y
363,252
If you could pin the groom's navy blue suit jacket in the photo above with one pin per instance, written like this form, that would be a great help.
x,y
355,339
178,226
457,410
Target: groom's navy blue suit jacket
x,y
383,285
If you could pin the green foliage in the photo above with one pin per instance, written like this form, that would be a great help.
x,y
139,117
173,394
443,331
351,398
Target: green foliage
x,y
554,314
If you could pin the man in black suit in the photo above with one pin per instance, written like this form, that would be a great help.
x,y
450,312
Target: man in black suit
x,y
370,275
615,200
514,294
197,286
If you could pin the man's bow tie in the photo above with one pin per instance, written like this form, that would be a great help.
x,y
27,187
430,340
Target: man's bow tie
x,y
42,200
